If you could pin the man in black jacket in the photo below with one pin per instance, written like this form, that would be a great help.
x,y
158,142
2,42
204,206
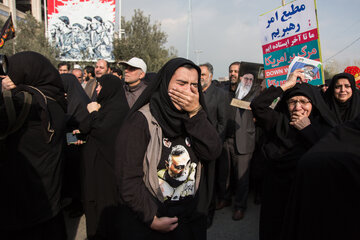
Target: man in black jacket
x,y
215,100
240,144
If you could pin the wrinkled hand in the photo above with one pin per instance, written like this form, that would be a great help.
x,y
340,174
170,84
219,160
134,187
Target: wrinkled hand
x,y
164,224
188,101
93,106
291,81
6,83
296,115
300,122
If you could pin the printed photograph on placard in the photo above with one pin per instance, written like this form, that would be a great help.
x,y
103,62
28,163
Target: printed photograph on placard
x,y
311,67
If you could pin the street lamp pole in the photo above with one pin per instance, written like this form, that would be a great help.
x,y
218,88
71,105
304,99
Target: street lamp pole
x,y
197,53
188,33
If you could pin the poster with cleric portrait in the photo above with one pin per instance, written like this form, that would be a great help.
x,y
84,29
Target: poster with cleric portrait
x,y
82,30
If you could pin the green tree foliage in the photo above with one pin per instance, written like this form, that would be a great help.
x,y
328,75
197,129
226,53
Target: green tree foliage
x,y
29,36
144,40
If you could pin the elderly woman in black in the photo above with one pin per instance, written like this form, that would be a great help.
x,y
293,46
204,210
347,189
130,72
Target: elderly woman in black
x,y
324,202
300,118
102,125
31,152
343,98
163,152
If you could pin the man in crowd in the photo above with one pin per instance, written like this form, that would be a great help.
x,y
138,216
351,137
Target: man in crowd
x,y
224,164
240,144
234,70
64,67
135,70
89,82
215,100
78,74
101,68
117,72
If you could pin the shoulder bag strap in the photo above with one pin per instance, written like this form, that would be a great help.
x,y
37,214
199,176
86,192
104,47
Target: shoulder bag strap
x,y
24,112
10,112
15,123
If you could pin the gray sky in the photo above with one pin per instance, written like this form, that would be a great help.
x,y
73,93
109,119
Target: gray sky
x,y
227,31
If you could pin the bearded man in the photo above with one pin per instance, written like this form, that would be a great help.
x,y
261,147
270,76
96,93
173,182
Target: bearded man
x,y
240,146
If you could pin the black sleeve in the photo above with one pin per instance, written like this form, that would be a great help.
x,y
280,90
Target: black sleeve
x,y
91,121
205,139
131,146
310,134
18,101
265,116
314,132
221,115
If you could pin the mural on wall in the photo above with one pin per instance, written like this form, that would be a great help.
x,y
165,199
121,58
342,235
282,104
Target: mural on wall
x,y
82,29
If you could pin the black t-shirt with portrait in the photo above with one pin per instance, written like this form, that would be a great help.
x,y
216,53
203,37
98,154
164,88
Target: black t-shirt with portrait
x,y
177,174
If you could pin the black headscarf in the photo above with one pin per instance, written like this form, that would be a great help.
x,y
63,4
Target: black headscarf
x,y
161,106
328,82
149,77
349,109
286,133
76,98
103,127
34,73
112,96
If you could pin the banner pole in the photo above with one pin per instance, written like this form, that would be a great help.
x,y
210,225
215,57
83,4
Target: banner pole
x,y
13,42
45,19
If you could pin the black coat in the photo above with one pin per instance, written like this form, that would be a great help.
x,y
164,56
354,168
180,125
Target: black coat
x,y
324,203
216,100
285,147
102,128
31,162
77,101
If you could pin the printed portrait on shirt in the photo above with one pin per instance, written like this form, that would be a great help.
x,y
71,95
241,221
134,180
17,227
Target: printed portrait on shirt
x,y
177,180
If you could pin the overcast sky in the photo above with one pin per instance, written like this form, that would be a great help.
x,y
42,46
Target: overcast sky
x,y
227,31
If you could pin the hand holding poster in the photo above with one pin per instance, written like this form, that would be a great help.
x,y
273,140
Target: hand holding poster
x,y
311,68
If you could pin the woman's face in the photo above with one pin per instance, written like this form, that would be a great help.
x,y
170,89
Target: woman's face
x,y
342,90
98,89
300,105
183,80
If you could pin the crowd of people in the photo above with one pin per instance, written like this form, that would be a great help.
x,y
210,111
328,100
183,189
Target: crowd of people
x,y
154,155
